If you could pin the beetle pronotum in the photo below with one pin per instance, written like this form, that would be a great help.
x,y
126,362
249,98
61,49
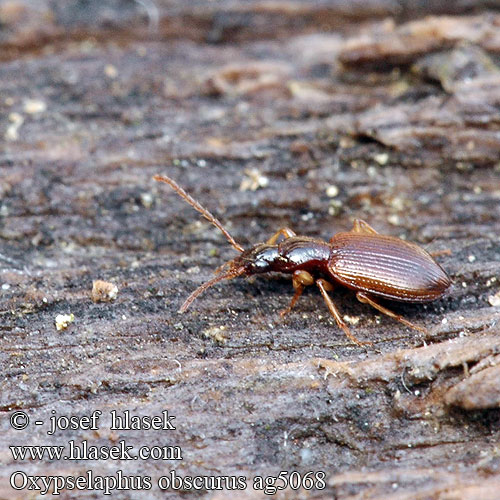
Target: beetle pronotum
x,y
371,264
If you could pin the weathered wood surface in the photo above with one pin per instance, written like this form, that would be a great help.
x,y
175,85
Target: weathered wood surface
x,y
398,117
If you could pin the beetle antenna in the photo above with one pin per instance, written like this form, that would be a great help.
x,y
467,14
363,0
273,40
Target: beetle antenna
x,y
232,273
203,211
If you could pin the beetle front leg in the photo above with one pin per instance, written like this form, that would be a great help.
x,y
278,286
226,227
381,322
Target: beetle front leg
x,y
286,232
324,287
300,280
367,299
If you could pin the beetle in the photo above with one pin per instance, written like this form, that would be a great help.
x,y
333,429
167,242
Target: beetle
x,y
373,265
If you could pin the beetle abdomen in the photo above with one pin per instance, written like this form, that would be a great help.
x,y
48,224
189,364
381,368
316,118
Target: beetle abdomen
x,y
386,266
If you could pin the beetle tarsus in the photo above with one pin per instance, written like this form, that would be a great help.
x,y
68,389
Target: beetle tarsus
x,y
298,293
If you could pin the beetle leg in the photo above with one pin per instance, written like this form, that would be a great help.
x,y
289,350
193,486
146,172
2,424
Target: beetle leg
x,y
324,287
285,232
438,253
300,280
360,226
366,299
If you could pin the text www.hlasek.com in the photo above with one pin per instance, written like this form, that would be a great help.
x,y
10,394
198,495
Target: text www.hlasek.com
x,y
84,451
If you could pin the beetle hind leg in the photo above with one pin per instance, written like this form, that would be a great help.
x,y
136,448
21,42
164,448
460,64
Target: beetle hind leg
x,y
367,299
325,287
439,253
300,280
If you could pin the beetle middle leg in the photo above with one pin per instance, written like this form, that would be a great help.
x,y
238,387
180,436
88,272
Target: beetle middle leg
x,y
285,232
300,280
324,287
367,299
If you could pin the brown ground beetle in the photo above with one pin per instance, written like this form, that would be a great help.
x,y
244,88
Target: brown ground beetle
x,y
371,264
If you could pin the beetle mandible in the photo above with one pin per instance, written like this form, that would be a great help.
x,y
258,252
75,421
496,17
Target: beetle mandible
x,y
373,265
